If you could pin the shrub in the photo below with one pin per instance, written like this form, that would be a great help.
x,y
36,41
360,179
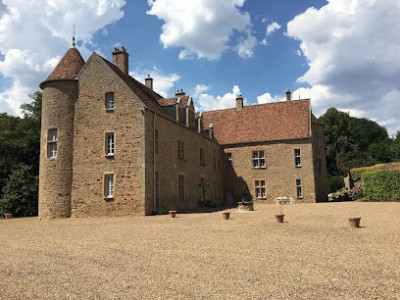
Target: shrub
x,y
356,173
335,183
382,185
356,192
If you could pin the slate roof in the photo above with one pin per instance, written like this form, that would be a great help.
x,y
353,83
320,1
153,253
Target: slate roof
x,y
259,123
171,101
69,66
147,96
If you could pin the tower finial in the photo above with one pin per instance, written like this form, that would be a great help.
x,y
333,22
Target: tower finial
x,y
73,37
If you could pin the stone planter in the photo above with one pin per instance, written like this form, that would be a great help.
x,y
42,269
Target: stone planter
x,y
172,213
8,216
226,215
354,222
279,218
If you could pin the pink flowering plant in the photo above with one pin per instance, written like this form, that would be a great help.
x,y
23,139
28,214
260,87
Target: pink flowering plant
x,y
356,192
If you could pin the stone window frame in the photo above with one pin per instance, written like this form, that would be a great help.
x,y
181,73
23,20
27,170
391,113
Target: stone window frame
x,y
202,157
259,188
259,162
181,187
52,143
109,191
297,158
107,147
299,188
180,151
229,160
109,103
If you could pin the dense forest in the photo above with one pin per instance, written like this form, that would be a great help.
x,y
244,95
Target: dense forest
x,y
350,142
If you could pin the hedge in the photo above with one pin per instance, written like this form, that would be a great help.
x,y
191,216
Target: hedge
x,y
381,185
356,173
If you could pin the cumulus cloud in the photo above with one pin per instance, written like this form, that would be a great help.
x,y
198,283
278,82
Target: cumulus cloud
x,y
33,34
355,57
207,102
268,98
162,83
203,27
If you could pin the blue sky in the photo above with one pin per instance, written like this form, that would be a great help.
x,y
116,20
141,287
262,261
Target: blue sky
x,y
334,52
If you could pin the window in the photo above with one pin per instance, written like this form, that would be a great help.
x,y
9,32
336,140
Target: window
x,y
110,144
156,141
258,160
298,186
260,189
109,186
229,160
181,187
181,150
215,160
110,101
297,158
316,136
318,167
52,143
202,158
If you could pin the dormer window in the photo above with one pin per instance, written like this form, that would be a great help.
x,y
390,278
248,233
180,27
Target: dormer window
x,y
110,101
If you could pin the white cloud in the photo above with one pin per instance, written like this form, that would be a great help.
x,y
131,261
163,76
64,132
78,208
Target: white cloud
x,y
246,46
271,28
34,35
355,56
162,83
267,98
203,27
207,102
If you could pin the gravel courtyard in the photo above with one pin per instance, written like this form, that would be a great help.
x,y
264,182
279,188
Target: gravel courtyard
x,y
313,255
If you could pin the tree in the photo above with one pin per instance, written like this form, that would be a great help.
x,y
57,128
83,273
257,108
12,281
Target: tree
x,y
20,194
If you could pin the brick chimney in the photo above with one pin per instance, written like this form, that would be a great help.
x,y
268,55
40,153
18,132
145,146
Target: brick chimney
x,y
239,103
121,59
149,82
288,95
180,93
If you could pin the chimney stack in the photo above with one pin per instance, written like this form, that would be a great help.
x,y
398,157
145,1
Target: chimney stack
x,y
149,81
180,93
121,59
288,95
239,103
211,131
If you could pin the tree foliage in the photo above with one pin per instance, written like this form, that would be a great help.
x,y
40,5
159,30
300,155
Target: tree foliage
x,y
20,145
352,142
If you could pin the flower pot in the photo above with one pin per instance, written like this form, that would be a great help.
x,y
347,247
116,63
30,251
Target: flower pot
x,y
226,215
172,213
8,216
354,222
279,218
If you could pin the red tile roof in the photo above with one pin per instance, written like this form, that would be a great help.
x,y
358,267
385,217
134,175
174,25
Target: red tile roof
x,y
264,122
69,66
149,97
171,101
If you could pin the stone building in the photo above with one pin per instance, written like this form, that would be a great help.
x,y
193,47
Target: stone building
x,y
113,146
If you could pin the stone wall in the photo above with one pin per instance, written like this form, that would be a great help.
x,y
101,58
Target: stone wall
x,y
280,173
55,174
92,122
169,167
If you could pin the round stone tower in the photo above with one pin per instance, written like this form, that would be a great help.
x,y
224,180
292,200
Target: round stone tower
x,y
60,91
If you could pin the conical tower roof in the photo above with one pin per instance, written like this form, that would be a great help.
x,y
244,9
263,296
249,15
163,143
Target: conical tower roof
x,y
69,65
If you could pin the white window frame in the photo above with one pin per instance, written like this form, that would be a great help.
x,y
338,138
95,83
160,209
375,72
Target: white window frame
x,y
109,183
259,159
299,188
260,189
110,144
110,103
52,140
297,158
